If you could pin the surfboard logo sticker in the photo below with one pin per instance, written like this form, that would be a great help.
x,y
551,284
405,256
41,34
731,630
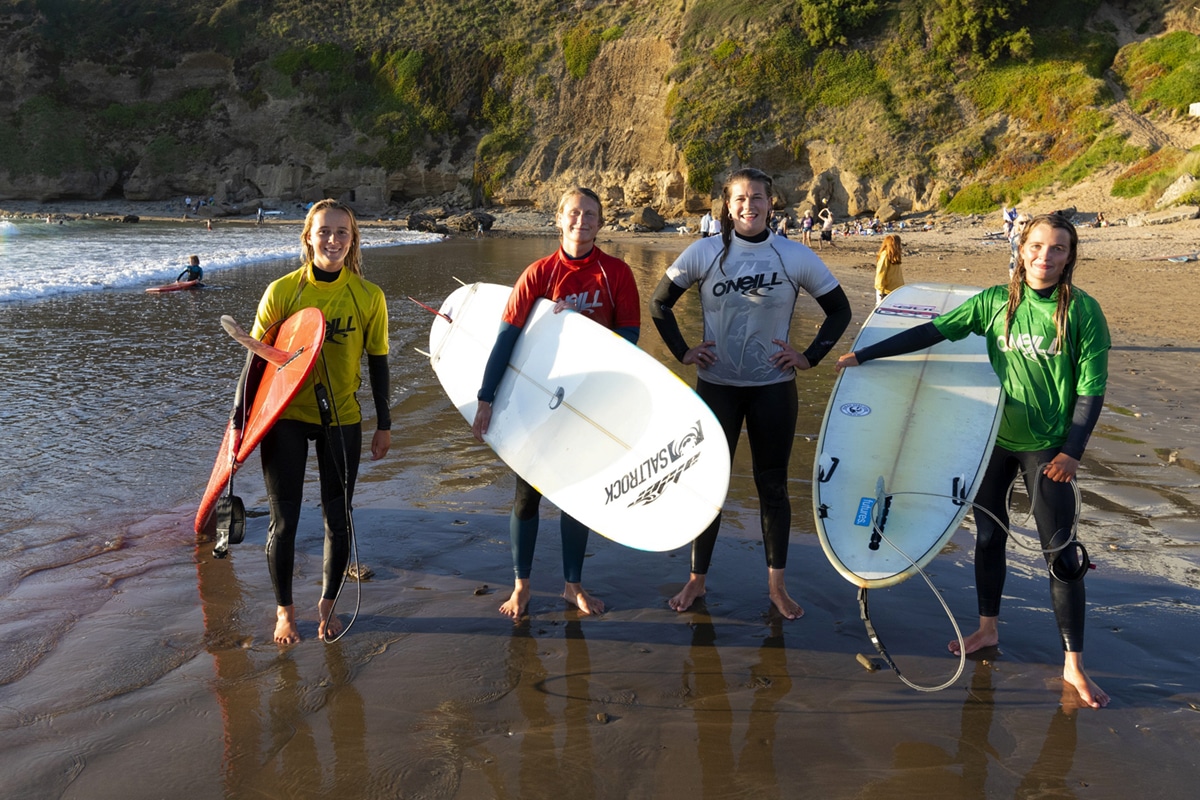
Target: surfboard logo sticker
x,y
660,471
855,409
908,310
863,517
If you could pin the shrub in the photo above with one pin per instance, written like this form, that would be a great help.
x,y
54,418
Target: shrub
x,y
580,47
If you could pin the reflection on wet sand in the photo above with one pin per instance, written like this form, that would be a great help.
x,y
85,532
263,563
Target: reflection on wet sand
x,y
272,716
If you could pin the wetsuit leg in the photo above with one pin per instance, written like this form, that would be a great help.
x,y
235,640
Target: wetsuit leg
x,y
574,548
284,451
1054,512
771,430
991,539
726,404
523,527
338,453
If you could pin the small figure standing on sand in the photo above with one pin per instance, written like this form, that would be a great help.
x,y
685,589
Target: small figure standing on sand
x,y
1014,241
888,276
192,272
826,227
581,277
1048,343
749,282
806,227
706,223
357,323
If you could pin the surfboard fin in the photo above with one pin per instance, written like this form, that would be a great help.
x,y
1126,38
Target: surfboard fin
x,y
272,354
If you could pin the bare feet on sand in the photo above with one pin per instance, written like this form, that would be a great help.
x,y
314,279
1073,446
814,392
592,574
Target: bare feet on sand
x,y
515,606
328,625
988,635
691,590
286,631
777,589
1074,675
576,595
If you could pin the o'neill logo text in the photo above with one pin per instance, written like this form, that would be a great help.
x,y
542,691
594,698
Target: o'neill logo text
x,y
658,472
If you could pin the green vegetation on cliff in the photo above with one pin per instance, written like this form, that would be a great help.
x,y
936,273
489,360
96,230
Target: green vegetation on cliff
x,y
990,99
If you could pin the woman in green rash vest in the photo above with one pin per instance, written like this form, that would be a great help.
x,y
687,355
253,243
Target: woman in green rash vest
x,y
356,323
1048,343
581,277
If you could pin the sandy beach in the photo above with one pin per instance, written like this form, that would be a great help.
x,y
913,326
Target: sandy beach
x,y
139,666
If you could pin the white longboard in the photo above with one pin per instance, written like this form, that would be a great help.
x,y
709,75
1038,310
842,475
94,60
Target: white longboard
x,y
598,426
901,437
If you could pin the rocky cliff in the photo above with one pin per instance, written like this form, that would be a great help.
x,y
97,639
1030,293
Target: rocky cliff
x,y
144,124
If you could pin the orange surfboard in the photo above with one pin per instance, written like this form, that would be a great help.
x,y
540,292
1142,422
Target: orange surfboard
x,y
291,360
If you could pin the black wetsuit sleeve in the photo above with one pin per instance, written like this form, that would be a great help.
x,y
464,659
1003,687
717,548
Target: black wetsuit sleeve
x,y
629,333
836,306
666,294
506,340
1083,421
377,372
908,341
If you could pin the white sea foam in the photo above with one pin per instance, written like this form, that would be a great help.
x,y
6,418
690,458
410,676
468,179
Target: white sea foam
x,y
44,259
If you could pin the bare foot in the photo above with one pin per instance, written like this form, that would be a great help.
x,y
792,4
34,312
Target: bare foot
x,y
777,590
576,595
988,635
1074,675
328,625
286,631
515,606
691,590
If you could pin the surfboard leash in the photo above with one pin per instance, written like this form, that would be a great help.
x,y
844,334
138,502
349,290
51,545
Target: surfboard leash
x,y
328,413
878,535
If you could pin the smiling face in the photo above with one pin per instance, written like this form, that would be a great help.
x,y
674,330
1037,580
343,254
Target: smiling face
x,y
579,220
1045,252
330,238
749,205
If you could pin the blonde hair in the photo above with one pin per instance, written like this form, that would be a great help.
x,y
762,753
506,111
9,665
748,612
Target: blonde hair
x,y
1016,284
890,246
580,191
353,260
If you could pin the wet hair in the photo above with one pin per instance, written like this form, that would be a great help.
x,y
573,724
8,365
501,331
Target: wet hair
x,y
743,175
580,191
1016,284
353,260
193,260
891,246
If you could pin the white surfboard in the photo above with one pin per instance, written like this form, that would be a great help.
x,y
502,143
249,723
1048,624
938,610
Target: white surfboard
x,y
603,430
901,437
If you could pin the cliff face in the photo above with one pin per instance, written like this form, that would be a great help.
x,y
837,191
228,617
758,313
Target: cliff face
x,y
239,129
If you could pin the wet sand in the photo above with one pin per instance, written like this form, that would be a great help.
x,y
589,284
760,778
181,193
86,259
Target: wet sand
x,y
138,666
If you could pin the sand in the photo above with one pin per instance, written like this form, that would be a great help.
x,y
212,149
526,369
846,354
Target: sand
x,y
434,694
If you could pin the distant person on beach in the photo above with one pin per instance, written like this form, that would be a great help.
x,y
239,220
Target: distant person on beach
x,y
579,276
1048,343
259,216
706,223
749,281
192,272
888,275
806,228
356,325
826,227
1008,215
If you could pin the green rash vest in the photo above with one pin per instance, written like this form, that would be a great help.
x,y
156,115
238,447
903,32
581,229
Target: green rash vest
x,y
1041,378
356,322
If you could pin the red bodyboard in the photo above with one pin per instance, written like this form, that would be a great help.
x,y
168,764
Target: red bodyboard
x,y
301,335
173,287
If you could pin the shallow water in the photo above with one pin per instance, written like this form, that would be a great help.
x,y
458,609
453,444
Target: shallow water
x,y
136,665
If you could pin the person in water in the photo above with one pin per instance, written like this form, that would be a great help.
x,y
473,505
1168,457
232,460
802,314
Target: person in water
x,y
578,277
192,272
326,411
749,280
1048,342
